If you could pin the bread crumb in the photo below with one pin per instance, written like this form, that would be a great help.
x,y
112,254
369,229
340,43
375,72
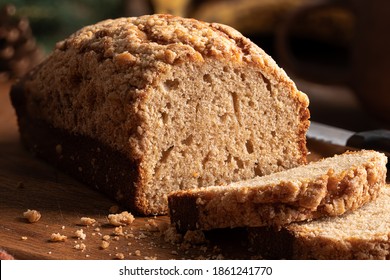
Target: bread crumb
x,y
171,235
113,209
116,238
97,229
104,244
80,246
142,236
151,258
57,237
121,219
118,231
32,216
137,253
120,256
63,227
80,234
151,225
85,221
106,237
24,237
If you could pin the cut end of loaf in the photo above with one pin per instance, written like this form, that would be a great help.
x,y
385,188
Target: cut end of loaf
x,y
217,123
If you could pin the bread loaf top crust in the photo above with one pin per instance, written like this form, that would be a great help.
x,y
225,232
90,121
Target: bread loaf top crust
x,y
157,41
114,66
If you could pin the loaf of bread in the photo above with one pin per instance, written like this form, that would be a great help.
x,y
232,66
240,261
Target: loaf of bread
x,y
329,187
362,234
139,107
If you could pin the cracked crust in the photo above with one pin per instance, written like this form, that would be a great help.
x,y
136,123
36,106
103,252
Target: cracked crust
x,y
329,187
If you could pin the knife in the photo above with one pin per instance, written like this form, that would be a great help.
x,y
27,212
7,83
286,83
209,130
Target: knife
x,y
378,139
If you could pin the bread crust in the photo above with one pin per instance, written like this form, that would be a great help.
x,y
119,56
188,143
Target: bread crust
x,y
346,241
278,204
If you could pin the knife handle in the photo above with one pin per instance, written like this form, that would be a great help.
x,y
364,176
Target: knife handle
x,y
373,139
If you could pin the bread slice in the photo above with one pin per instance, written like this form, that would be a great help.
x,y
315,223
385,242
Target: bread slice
x,y
328,187
362,234
139,107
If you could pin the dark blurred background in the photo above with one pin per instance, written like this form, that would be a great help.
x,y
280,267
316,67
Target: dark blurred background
x,y
52,21
321,38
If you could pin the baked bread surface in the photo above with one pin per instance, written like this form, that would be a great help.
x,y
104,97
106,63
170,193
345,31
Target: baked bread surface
x,y
329,187
182,103
361,234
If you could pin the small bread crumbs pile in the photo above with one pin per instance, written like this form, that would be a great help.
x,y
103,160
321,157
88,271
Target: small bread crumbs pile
x,y
57,237
80,234
80,247
151,225
171,235
118,231
32,216
121,219
85,221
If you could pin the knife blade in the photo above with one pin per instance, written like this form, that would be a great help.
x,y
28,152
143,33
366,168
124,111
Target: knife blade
x,y
378,139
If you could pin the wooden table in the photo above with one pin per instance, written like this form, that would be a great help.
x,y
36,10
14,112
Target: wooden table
x,y
28,183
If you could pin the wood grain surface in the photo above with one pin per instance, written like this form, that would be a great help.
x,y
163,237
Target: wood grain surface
x,y
28,183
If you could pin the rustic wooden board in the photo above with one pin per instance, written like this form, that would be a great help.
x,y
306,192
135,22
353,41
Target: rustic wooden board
x,y
28,183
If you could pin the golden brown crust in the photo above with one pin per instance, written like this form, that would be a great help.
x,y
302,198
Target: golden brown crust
x,y
255,203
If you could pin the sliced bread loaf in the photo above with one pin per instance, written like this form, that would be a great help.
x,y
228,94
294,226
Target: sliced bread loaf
x,y
139,107
362,234
328,187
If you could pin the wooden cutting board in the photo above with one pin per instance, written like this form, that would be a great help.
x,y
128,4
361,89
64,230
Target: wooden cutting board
x,y
28,183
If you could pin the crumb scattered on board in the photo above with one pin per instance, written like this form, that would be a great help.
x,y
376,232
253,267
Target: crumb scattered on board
x,y
111,242
121,219
32,216
58,237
